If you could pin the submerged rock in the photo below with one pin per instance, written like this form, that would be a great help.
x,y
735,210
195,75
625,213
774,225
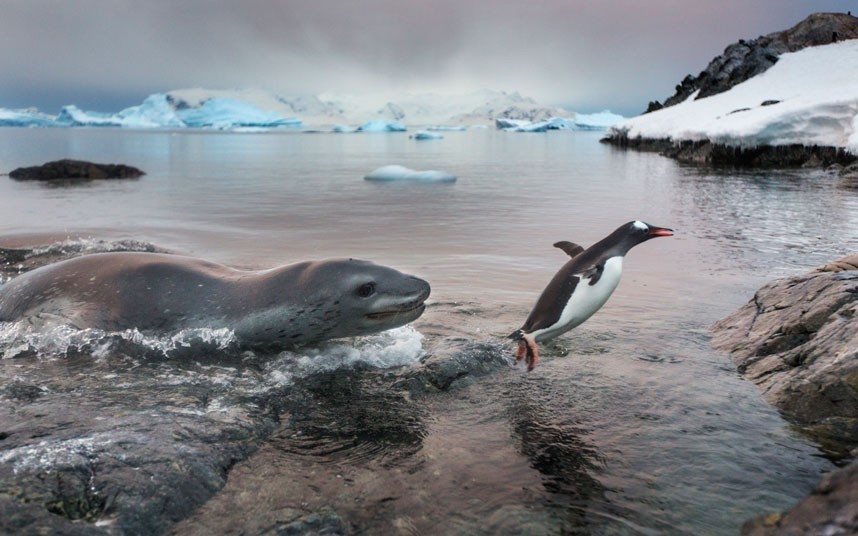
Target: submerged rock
x,y
832,508
75,170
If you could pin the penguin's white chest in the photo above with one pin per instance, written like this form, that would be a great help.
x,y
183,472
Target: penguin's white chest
x,y
585,300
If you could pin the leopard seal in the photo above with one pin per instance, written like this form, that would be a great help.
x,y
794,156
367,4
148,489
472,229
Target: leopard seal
x,y
279,308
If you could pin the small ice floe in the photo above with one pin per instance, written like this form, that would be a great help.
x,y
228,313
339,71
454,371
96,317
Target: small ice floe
x,y
401,173
343,128
426,135
382,125
447,128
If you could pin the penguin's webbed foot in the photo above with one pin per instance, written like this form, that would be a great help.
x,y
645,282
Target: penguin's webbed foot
x,y
528,351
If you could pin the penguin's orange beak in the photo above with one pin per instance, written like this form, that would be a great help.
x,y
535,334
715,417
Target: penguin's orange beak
x,y
660,231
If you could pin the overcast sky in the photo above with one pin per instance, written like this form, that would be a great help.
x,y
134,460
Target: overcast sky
x,y
584,54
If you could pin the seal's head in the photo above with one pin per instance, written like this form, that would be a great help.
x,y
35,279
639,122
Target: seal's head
x,y
374,298
335,298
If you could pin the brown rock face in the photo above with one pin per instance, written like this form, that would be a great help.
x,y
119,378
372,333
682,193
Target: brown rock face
x,y
798,341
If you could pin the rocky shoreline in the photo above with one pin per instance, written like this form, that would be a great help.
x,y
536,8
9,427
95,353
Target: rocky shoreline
x,y
706,153
797,340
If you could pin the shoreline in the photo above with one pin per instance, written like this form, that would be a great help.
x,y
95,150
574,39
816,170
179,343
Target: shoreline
x,y
707,153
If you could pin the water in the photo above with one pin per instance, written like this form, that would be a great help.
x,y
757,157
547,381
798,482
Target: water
x,y
631,423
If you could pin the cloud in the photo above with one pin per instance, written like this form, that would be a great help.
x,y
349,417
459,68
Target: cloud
x,y
617,53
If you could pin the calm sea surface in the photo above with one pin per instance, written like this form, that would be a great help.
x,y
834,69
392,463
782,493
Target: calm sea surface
x,y
630,424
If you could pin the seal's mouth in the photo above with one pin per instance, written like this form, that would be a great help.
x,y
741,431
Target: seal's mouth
x,y
414,309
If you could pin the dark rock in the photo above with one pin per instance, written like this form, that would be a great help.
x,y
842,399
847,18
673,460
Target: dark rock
x,y
324,522
769,102
456,363
75,170
653,106
748,58
706,153
832,508
134,456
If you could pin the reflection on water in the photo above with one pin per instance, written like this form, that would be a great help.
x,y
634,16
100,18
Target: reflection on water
x,y
630,424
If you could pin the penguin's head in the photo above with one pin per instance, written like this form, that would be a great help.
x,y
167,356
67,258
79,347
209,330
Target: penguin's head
x,y
644,231
635,232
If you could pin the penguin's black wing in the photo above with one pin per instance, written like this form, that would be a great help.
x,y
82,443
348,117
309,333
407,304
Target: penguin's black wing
x,y
570,248
593,274
553,299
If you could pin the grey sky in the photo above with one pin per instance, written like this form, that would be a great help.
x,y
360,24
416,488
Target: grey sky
x,y
584,54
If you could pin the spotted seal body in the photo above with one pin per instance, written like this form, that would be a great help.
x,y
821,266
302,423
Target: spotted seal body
x,y
282,307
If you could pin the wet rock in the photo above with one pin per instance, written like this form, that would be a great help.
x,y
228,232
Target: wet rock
x,y
706,153
326,521
455,363
84,455
797,340
75,170
832,508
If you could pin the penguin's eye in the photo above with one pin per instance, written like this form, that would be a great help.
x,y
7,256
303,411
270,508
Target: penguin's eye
x,y
366,290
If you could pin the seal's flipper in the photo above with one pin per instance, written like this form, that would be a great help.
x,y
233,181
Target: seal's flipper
x,y
570,248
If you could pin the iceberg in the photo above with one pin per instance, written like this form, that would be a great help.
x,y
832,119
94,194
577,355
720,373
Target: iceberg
x,y
425,135
25,118
73,116
394,172
155,112
382,125
343,128
226,113
446,128
159,111
597,121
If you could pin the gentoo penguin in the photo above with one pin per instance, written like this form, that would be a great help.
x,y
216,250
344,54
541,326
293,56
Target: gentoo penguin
x,y
581,287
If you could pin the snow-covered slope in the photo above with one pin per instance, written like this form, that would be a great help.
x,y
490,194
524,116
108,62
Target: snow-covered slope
x,y
809,97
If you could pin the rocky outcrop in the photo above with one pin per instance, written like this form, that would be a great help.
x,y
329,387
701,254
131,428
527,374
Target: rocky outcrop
x,y
706,153
75,170
797,340
746,59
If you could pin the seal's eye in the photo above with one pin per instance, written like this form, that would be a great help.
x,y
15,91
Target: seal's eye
x,y
366,290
